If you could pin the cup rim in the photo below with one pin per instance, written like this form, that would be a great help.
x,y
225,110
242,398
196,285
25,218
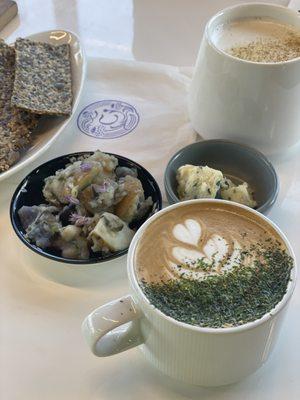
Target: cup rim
x,y
236,329
246,5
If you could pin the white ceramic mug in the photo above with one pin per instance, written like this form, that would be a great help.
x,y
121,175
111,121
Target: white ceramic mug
x,y
201,356
248,102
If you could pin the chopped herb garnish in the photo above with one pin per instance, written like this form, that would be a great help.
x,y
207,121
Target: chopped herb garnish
x,y
241,295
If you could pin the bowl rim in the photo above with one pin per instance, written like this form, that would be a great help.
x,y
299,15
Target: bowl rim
x,y
13,210
263,207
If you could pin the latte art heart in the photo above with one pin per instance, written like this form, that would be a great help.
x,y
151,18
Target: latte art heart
x,y
195,262
188,232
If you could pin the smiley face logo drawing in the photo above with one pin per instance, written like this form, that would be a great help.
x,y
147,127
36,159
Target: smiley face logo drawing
x,y
108,119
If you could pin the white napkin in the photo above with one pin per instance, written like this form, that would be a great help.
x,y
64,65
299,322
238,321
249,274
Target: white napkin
x,y
294,4
158,94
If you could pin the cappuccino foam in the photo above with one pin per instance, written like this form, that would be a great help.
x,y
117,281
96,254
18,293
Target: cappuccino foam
x,y
218,235
258,39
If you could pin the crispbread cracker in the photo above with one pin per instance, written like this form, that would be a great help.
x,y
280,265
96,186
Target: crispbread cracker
x,y
43,83
15,133
15,125
7,70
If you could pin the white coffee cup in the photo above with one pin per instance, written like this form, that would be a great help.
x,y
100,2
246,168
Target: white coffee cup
x,y
201,356
248,102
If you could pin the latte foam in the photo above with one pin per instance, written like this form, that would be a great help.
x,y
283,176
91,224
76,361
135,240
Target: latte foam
x,y
258,39
197,240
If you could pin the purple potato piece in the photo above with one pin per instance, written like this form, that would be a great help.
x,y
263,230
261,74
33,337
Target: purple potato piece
x,y
28,214
44,227
121,172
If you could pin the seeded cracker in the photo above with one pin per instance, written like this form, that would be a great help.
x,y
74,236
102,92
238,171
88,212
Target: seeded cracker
x,y
42,78
15,133
7,70
15,125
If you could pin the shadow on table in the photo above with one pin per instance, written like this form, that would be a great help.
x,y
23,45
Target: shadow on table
x,y
133,378
74,275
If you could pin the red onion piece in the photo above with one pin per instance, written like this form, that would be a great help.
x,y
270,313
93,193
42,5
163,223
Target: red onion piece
x,y
85,166
72,200
101,188
80,220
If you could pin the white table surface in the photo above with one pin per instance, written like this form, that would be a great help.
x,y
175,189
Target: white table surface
x,y
42,352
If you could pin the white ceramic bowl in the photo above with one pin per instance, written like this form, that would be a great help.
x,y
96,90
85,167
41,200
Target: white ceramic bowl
x,y
243,101
49,129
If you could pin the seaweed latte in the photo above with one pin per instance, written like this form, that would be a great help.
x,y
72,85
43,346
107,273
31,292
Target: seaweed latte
x,y
212,264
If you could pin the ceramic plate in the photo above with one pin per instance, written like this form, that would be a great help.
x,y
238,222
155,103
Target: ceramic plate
x,y
49,128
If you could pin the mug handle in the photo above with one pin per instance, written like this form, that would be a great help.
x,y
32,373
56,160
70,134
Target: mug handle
x,y
99,328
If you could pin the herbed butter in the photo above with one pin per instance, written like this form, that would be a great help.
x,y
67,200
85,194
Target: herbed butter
x,y
198,182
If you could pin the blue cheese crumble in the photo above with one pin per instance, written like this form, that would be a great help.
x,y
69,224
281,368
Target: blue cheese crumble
x,y
198,182
238,193
202,182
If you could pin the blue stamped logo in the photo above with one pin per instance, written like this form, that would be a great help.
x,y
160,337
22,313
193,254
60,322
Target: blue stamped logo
x,y
108,119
